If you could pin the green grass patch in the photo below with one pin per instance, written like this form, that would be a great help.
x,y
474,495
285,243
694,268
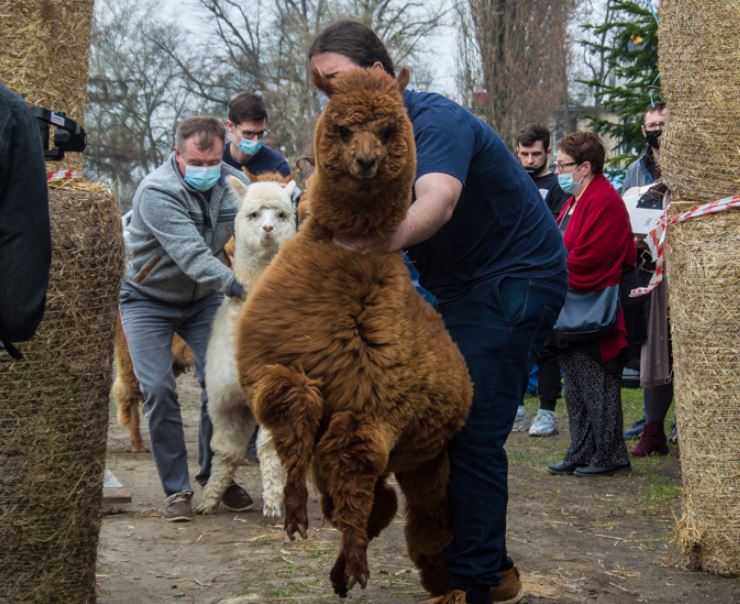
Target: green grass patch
x,y
660,487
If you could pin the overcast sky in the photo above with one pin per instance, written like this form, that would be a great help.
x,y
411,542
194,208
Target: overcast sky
x,y
440,59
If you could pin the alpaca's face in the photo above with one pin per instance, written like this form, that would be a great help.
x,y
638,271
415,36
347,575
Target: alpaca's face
x,y
364,133
365,155
266,217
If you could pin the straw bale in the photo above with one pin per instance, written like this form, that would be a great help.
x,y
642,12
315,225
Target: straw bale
x,y
45,56
703,260
699,60
54,415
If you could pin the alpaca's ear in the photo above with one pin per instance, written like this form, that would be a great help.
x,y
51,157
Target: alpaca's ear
x,y
305,163
403,79
290,188
237,186
321,82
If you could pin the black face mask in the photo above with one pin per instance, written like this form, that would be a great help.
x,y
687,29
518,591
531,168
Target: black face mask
x,y
652,137
532,170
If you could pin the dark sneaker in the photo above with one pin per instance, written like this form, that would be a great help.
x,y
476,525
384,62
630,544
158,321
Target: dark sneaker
x,y
509,589
236,499
564,467
594,470
177,507
635,430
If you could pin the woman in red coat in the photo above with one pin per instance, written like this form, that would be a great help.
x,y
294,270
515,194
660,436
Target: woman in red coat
x,y
597,234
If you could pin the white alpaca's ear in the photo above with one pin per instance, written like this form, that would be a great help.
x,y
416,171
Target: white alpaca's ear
x,y
237,186
290,188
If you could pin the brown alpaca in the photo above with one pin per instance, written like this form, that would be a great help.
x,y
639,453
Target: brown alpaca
x,y
352,371
125,390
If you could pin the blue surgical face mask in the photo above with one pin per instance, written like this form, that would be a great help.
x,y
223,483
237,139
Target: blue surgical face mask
x,y
566,183
202,178
323,99
250,147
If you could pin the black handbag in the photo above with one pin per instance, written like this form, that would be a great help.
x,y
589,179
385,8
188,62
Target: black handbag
x,y
588,316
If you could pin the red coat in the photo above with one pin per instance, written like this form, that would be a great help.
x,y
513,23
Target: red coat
x,y
600,244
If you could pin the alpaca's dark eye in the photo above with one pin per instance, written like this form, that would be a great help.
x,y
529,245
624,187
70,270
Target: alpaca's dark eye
x,y
387,134
252,215
343,132
282,215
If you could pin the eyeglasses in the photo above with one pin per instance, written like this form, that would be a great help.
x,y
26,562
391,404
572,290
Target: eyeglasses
x,y
252,134
650,126
564,164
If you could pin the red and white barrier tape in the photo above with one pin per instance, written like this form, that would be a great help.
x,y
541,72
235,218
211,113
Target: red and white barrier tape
x,y
63,175
656,238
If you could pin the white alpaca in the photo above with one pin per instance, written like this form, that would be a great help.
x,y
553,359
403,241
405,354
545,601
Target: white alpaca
x,y
266,219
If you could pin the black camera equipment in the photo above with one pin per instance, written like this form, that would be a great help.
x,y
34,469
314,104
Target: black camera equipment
x,y
68,134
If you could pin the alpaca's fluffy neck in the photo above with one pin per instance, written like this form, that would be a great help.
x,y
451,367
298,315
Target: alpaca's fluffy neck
x,y
250,263
358,208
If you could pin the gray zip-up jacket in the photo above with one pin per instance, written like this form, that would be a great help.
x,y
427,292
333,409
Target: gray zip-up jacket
x,y
176,236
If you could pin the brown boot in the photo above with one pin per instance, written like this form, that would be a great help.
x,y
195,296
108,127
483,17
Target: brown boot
x,y
509,589
652,441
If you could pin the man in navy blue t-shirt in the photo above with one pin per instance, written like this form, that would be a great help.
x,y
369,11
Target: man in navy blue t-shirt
x,y
489,250
247,126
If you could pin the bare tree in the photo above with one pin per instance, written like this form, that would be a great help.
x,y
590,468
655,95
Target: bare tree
x,y
404,26
136,95
263,50
515,54
147,73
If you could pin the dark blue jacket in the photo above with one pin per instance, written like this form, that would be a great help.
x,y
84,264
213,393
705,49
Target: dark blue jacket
x,y
25,240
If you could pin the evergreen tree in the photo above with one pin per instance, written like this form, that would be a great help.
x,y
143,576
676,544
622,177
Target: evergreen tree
x,y
628,42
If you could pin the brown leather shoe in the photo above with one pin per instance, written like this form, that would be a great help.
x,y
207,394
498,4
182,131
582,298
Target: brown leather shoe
x,y
236,499
509,589
177,507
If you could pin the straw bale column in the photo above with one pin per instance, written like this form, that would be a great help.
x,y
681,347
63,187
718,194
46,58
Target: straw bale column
x,y
54,402
45,52
699,57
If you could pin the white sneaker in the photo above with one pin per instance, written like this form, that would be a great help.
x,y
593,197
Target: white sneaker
x,y
521,422
543,424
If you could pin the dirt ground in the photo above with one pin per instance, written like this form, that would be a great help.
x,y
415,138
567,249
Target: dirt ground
x,y
575,540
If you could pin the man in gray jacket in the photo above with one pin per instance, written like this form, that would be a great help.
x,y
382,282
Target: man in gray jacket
x,y
182,216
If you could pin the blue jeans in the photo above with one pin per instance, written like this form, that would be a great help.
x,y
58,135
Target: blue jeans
x,y
497,325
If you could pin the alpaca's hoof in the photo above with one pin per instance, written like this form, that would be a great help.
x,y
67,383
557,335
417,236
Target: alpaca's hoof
x,y
354,579
294,528
206,508
272,510
137,446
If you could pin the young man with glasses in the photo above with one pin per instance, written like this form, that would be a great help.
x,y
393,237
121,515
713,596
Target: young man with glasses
x,y
655,359
247,126
646,169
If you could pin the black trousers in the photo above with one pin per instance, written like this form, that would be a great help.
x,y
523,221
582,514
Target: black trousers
x,y
548,374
